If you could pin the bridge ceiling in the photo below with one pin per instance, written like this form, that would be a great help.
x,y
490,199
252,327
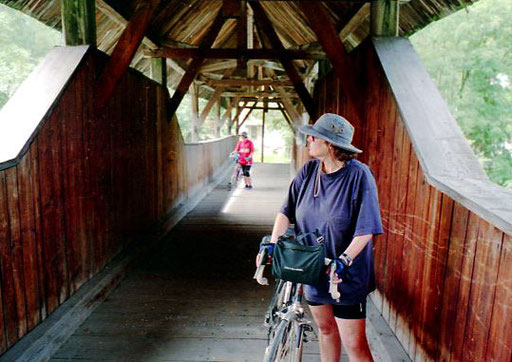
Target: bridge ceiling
x,y
181,24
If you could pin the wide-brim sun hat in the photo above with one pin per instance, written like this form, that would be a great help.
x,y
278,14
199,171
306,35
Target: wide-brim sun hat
x,y
334,129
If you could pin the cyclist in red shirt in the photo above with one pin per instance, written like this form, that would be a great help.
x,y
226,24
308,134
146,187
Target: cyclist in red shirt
x,y
245,150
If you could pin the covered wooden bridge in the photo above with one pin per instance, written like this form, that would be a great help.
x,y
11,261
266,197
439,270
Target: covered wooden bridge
x,y
94,172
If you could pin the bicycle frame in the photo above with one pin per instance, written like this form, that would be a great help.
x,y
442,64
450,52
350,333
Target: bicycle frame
x,y
287,324
235,176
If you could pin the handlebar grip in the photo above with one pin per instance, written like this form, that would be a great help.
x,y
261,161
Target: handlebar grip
x,y
333,288
259,271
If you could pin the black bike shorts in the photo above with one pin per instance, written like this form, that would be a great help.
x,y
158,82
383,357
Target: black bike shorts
x,y
246,170
357,311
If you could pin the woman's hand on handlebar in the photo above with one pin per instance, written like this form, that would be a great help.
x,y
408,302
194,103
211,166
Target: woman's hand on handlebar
x,y
267,253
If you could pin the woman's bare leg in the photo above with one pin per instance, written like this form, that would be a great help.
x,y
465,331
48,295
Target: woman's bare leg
x,y
353,336
329,338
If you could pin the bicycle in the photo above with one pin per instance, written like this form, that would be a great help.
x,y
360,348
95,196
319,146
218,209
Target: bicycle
x,y
237,172
285,316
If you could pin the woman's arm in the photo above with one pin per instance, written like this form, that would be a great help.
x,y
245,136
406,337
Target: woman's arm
x,y
355,247
357,244
280,226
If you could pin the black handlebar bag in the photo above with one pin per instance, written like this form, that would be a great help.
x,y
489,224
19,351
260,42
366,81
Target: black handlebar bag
x,y
298,263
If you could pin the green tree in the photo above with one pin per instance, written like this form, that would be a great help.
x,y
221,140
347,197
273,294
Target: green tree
x,y
23,42
468,54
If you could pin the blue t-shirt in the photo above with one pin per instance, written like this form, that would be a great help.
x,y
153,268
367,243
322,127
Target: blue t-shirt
x,y
346,205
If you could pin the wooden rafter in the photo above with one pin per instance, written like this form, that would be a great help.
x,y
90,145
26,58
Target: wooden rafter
x,y
237,114
286,118
254,94
117,18
233,53
195,65
228,110
338,56
233,63
248,82
247,115
266,25
124,51
242,32
250,42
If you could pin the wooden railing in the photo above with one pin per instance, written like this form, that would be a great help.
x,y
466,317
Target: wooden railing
x,y
76,186
444,263
208,157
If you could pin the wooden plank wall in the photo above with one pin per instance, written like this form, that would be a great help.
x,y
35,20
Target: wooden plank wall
x,y
85,187
444,274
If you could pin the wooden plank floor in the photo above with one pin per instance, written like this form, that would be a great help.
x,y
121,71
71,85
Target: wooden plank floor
x,y
193,297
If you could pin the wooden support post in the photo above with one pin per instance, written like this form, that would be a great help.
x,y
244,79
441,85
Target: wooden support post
x,y
242,32
234,119
218,125
79,22
265,104
384,16
195,64
124,51
266,25
194,103
327,35
227,115
159,70
237,115
250,42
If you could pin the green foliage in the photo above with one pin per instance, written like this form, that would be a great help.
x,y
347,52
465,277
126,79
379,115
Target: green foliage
x,y
468,55
23,42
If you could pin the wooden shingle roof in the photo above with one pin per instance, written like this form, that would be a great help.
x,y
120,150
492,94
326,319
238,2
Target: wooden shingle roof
x,y
183,23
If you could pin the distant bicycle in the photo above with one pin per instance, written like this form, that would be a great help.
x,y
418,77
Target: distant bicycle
x,y
237,172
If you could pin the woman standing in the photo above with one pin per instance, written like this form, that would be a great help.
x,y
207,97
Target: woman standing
x,y
337,195
245,150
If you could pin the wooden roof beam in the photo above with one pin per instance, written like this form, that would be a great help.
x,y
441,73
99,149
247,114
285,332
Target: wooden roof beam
x,y
195,65
255,94
124,51
250,42
338,56
117,18
242,32
233,63
384,18
266,26
248,82
233,53
79,22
